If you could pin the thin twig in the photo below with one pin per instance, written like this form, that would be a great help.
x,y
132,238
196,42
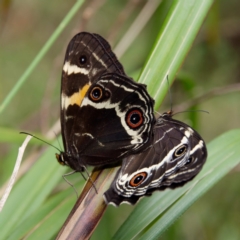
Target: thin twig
x,y
89,208
124,14
89,11
137,26
212,93
15,172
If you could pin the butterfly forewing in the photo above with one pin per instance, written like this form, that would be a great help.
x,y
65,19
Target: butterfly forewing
x,y
96,97
88,56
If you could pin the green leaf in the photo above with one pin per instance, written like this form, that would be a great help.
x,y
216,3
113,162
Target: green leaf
x,y
30,192
41,54
28,201
173,43
44,216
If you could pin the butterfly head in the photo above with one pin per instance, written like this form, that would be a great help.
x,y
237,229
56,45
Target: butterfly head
x,y
60,159
69,160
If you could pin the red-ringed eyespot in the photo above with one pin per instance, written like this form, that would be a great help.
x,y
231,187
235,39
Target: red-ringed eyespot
x,y
180,151
82,59
138,179
134,118
96,94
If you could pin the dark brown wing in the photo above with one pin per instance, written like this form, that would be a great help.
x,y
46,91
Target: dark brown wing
x,y
176,156
100,129
88,56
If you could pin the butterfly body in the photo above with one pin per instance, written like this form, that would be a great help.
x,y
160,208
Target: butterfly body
x,y
105,115
176,156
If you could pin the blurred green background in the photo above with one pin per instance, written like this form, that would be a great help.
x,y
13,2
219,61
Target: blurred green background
x,y
213,64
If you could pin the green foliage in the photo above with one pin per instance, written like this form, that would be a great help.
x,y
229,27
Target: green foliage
x,y
39,204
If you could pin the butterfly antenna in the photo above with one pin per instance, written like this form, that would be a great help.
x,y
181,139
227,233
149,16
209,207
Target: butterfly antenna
x,y
40,140
170,95
58,141
197,110
65,179
158,113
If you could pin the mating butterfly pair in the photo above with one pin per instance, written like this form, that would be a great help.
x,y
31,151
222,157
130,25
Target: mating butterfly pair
x,y
107,118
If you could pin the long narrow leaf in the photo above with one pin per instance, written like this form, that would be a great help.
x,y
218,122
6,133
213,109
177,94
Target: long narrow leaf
x,y
41,54
48,212
30,192
174,41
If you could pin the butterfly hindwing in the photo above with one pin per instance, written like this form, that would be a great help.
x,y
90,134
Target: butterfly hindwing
x,y
176,156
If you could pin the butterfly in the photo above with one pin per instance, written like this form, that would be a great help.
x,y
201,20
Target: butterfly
x,y
176,156
105,115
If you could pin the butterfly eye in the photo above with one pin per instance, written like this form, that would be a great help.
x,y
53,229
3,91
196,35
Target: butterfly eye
x,y
138,179
134,118
82,59
180,151
96,94
60,159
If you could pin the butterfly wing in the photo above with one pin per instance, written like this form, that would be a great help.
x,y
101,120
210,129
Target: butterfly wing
x,y
88,56
175,157
116,125
100,129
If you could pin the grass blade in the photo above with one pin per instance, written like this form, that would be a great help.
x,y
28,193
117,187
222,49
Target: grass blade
x,y
30,192
174,41
41,54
